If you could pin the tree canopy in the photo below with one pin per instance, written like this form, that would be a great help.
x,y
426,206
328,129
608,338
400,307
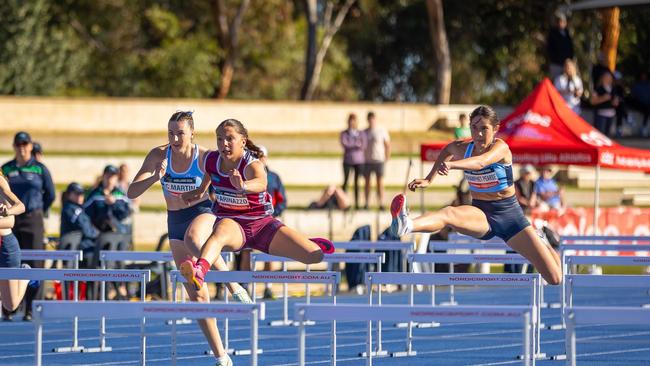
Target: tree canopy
x,y
382,51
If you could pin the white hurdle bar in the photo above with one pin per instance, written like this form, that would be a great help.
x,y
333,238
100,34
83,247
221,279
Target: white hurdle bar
x,y
564,248
594,239
327,278
161,310
90,275
599,315
461,238
417,313
450,259
375,258
531,281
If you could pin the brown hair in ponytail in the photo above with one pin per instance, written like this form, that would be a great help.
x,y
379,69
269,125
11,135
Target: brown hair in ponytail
x,y
239,127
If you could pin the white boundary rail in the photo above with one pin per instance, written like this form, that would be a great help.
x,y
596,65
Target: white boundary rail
x,y
531,281
418,313
126,310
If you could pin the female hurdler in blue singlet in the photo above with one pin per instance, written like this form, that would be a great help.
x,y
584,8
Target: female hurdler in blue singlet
x,y
487,163
177,166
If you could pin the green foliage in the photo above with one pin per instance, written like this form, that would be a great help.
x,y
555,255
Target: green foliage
x,y
40,55
152,48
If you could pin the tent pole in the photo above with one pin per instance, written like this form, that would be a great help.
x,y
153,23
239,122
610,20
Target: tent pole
x,y
596,200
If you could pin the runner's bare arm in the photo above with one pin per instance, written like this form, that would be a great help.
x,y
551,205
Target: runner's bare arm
x,y
496,153
14,207
153,168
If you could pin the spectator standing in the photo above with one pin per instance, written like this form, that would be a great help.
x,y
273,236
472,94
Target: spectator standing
x,y
32,184
462,131
605,103
550,195
107,205
74,218
559,45
353,142
570,86
640,99
377,152
525,189
37,151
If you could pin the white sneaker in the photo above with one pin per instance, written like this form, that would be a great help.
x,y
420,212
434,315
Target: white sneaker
x,y
224,361
242,296
401,224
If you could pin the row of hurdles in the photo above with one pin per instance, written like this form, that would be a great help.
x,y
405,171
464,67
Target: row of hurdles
x,y
414,315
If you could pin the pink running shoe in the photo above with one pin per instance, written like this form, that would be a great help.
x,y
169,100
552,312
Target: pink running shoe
x,y
192,273
325,245
401,224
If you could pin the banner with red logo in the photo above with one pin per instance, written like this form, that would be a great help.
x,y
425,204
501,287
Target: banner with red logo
x,y
544,130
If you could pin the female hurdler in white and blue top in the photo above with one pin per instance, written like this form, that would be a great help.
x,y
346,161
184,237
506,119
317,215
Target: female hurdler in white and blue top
x,y
486,162
177,166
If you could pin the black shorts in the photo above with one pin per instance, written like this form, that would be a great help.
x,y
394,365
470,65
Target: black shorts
x,y
178,221
505,217
377,168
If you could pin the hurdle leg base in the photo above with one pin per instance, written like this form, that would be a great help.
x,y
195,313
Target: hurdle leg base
x,y
282,323
307,322
558,357
229,351
427,325
77,349
556,327
182,321
97,349
449,303
246,352
645,306
554,305
537,356
379,353
404,354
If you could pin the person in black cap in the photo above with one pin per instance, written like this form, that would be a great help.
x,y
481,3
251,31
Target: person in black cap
x,y
74,218
32,184
37,151
107,205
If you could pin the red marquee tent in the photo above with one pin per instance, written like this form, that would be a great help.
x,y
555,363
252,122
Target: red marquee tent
x,y
544,130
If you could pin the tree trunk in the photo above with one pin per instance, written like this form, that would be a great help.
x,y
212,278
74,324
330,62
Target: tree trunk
x,y
440,50
310,56
610,32
313,67
228,36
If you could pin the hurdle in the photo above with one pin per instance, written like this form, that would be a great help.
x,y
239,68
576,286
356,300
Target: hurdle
x,y
571,260
416,313
45,310
465,258
531,281
462,238
362,245
76,275
71,256
106,256
327,278
599,315
594,239
564,248
376,258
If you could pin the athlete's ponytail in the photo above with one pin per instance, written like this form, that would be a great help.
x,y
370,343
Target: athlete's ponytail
x,y
239,127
